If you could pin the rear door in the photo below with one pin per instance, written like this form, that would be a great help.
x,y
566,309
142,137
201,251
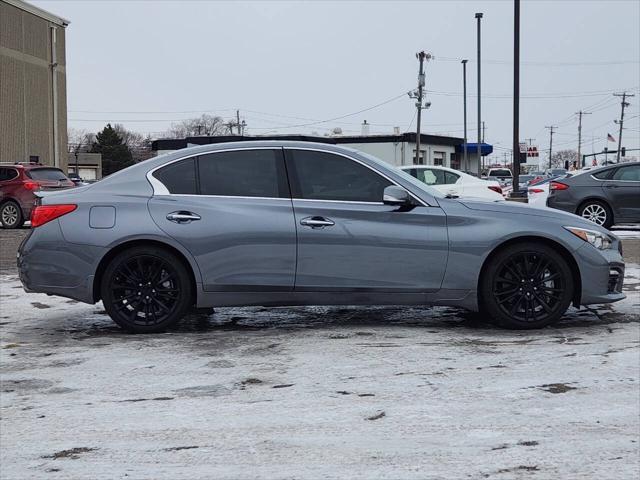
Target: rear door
x,y
232,210
348,240
622,189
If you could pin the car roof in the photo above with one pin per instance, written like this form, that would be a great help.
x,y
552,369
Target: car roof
x,y
27,166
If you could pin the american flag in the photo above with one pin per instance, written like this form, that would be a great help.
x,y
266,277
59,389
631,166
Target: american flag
x,y
610,138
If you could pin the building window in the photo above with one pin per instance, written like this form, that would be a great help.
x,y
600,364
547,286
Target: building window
x,y
438,158
454,161
421,158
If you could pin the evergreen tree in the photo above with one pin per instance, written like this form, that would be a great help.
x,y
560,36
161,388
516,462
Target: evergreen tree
x,y
116,155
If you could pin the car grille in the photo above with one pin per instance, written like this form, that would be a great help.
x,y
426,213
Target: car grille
x,y
615,281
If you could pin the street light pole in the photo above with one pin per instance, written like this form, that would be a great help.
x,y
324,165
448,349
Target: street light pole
x,y
479,17
465,162
516,98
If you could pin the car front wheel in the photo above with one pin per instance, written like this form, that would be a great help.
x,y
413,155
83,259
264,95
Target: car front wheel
x,y
526,286
146,290
11,215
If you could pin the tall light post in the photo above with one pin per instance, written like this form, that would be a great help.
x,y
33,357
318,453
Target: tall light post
x,y
516,98
465,162
479,17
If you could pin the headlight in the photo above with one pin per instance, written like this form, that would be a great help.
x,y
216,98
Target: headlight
x,y
599,240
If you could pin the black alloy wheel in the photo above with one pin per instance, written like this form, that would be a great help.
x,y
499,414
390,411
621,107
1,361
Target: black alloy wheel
x,y
527,286
146,290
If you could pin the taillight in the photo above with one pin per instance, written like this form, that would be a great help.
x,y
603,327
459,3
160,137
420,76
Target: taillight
x,y
45,213
536,190
495,189
558,186
29,185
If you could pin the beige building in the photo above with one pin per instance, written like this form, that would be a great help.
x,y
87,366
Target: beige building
x,y
33,87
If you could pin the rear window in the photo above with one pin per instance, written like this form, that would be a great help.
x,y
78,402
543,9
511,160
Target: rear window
x,y
54,174
603,174
8,174
179,177
499,173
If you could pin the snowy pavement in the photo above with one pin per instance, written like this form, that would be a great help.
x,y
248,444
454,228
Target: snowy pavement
x,y
389,392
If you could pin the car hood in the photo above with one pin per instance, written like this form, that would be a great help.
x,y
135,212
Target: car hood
x,y
520,209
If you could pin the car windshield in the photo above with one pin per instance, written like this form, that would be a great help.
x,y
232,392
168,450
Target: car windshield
x,y
46,174
558,171
405,176
499,173
526,178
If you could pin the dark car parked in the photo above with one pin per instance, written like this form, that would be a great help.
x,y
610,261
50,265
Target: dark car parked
x,y
18,184
605,195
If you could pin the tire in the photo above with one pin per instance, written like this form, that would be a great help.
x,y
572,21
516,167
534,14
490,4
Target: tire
x,y
146,289
597,212
11,215
526,286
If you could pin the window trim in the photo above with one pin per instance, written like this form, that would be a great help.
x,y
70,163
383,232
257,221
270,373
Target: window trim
x,y
340,154
159,189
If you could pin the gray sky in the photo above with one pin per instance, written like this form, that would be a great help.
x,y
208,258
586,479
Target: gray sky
x,y
145,63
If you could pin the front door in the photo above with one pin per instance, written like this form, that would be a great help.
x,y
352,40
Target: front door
x,y
349,240
232,210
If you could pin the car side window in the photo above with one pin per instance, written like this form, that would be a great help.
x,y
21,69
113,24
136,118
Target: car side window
x,y
433,177
325,176
7,174
627,174
450,177
604,174
243,173
179,177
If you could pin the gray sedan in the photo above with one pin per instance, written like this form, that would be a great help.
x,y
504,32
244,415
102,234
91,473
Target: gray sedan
x,y
291,223
604,196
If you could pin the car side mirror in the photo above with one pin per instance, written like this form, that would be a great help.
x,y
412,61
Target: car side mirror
x,y
394,195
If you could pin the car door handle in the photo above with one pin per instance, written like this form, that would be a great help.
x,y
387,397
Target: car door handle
x,y
182,217
316,222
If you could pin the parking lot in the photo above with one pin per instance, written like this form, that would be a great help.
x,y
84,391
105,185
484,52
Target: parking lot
x,y
322,392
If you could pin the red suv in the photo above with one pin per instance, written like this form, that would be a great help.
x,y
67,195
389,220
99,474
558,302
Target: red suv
x,y
18,182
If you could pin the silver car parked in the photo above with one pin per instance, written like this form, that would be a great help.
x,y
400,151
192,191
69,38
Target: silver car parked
x,y
292,223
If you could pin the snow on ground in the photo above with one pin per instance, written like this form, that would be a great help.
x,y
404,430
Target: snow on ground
x,y
387,392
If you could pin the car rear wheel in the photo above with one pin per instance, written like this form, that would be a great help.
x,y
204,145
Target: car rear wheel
x,y
526,286
11,215
596,212
146,290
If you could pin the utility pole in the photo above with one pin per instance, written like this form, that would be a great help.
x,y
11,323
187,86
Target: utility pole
x,y
529,140
418,94
550,142
479,18
238,121
580,113
624,96
466,166
516,97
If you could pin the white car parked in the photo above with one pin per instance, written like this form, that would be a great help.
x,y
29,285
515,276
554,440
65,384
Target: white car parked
x,y
455,183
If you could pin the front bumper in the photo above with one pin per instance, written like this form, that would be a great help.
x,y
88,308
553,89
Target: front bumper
x,y
602,275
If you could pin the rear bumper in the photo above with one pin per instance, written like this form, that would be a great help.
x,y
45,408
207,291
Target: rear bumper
x,y
566,205
47,263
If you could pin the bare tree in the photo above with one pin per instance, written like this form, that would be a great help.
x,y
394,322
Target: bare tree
x,y
79,140
560,158
139,145
208,125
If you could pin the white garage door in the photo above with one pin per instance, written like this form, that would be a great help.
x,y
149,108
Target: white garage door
x,y
88,173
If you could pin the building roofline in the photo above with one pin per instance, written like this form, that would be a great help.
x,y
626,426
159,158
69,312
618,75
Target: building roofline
x,y
39,12
408,137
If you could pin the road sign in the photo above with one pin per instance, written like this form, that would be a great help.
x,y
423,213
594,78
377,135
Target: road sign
x,y
532,151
